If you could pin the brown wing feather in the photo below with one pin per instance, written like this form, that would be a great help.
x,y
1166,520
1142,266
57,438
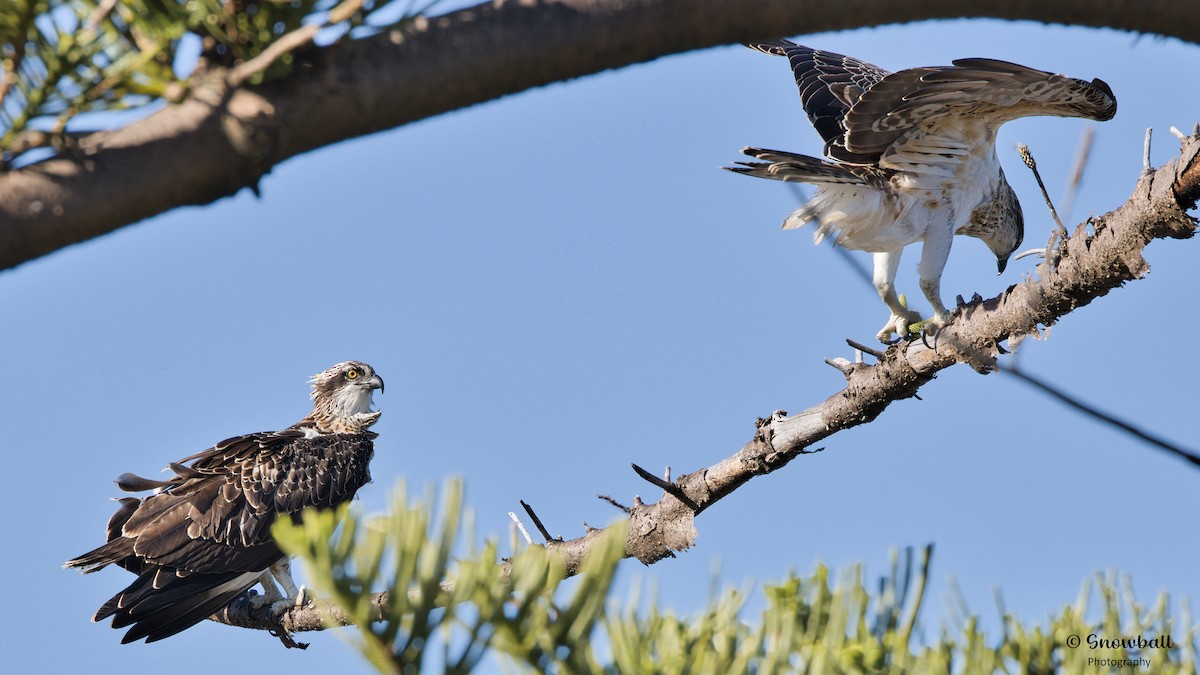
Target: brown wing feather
x,y
219,518
1004,91
830,84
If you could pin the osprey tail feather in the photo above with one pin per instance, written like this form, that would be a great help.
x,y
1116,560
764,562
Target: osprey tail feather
x,y
160,604
97,559
791,167
118,550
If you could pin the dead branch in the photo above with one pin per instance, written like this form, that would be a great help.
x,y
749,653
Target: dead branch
x,y
1091,265
537,522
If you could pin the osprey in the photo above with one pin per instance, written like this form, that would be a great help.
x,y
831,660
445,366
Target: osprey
x,y
204,537
912,157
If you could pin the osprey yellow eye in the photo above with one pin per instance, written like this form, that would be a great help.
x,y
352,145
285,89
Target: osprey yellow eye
x,y
352,374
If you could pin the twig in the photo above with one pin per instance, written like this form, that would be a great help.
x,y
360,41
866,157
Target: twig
x,y
1178,134
521,527
1186,455
865,349
1082,155
1146,168
670,488
290,42
842,365
615,503
100,14
537,522
12,65
1060,234
1027,157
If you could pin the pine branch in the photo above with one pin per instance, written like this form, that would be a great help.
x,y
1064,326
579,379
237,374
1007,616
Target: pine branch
x,y
224,138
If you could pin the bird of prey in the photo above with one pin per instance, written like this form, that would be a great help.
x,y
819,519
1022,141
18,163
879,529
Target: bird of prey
x,y
912,157
203,537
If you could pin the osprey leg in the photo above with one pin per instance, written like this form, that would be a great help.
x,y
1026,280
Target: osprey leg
x,y
934,253
271,593
296,596
884,278
282,571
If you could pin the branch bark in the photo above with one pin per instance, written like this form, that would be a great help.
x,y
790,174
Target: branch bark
x,y
317,615
225,138
1091,264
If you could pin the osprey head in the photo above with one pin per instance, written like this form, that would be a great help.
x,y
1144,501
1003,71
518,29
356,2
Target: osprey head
x,y
1010,232
998,222
342,398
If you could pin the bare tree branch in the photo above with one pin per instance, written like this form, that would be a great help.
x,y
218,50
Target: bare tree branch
x,y
1092,264
225,138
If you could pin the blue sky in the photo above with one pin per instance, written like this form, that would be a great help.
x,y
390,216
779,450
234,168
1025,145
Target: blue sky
x,y
562,282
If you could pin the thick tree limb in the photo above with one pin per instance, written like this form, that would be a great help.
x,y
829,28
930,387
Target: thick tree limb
x,y
225,138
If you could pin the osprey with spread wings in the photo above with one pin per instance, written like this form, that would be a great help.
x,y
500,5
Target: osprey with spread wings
x,y
913,157
204,537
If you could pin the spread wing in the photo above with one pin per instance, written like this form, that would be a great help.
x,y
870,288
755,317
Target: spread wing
x,y
830,84
205,536
902,102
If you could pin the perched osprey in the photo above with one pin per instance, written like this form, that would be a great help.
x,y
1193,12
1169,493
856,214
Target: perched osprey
x,y
913,157
204,537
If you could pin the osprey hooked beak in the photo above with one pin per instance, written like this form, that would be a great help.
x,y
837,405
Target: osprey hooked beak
x,y
376,382
1001,263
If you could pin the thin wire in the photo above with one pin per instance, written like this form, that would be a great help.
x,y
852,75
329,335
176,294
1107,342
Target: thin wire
x,y
1088,410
